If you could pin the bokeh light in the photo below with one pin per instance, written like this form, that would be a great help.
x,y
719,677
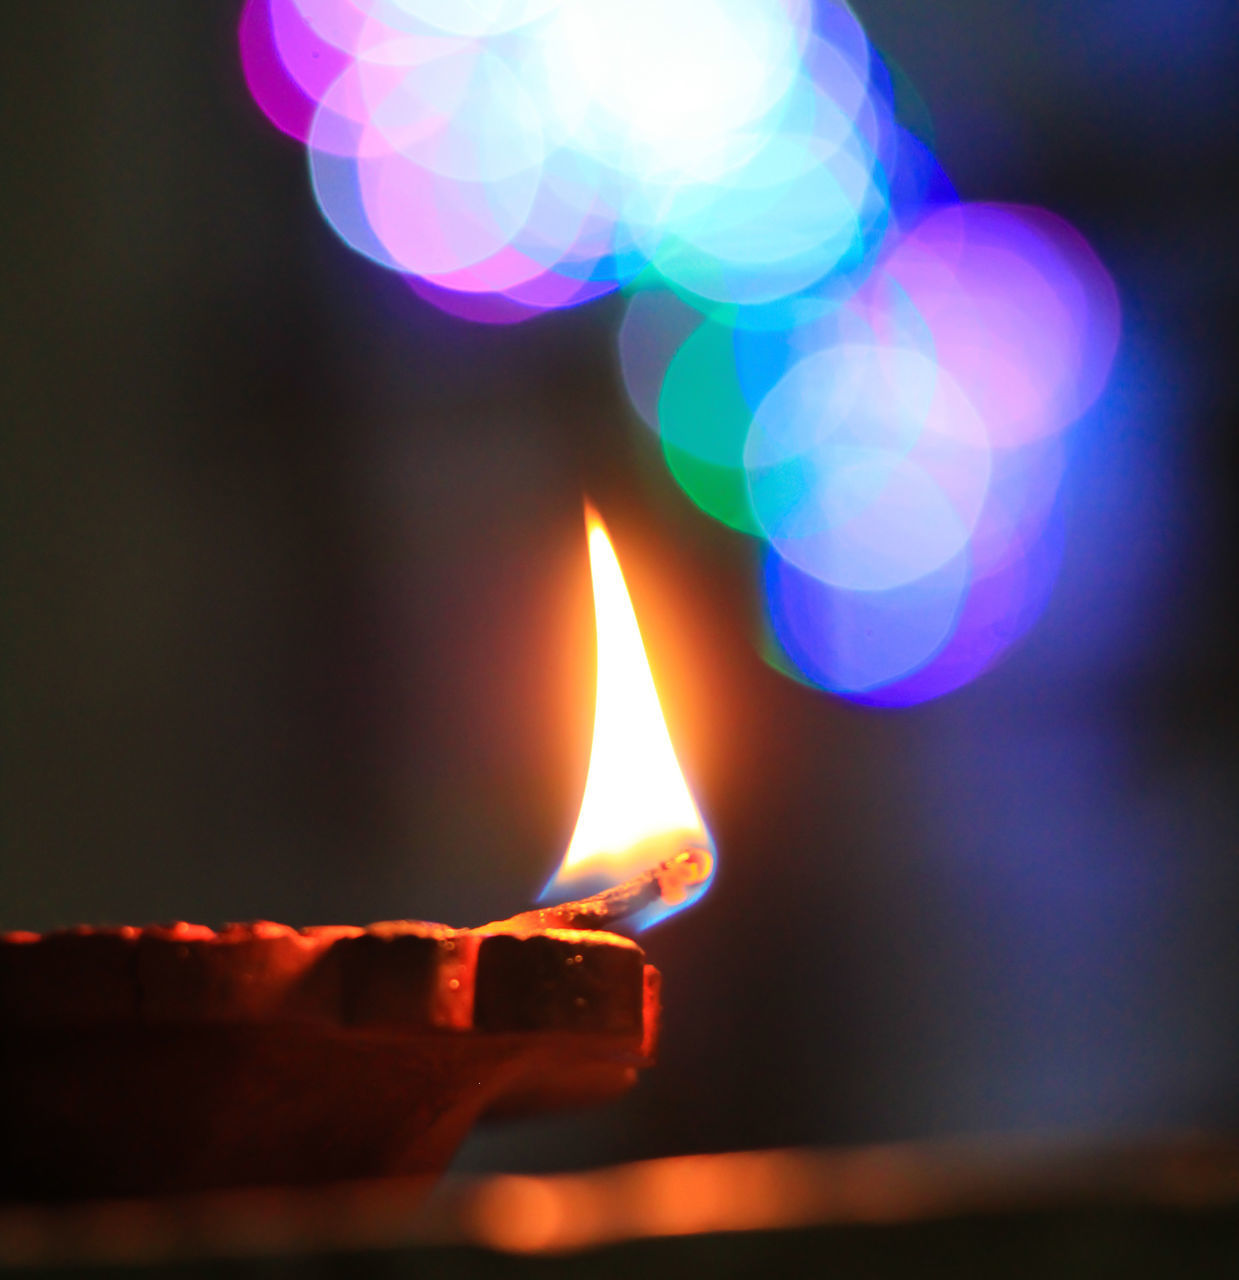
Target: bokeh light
x,y
840,358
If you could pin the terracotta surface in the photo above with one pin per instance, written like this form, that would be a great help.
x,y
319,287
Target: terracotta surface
x,y
171,1059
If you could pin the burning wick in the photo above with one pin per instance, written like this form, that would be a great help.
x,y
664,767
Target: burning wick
x,y
668,884
639,828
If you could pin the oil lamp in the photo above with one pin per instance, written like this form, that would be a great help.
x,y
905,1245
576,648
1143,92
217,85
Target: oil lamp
x,y
181,1058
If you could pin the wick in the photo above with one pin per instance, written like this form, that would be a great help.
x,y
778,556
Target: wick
x,y
669,883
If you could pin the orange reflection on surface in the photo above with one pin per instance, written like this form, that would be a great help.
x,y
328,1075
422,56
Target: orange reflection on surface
x,y
685,1195
538,1215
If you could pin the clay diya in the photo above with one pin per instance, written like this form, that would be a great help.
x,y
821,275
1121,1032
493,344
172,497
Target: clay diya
x,y
178,1058
140,1061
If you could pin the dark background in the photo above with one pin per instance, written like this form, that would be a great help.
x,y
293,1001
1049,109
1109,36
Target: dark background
x,y
298,621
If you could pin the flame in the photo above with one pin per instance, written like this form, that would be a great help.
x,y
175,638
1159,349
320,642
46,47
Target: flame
x,y
637,809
